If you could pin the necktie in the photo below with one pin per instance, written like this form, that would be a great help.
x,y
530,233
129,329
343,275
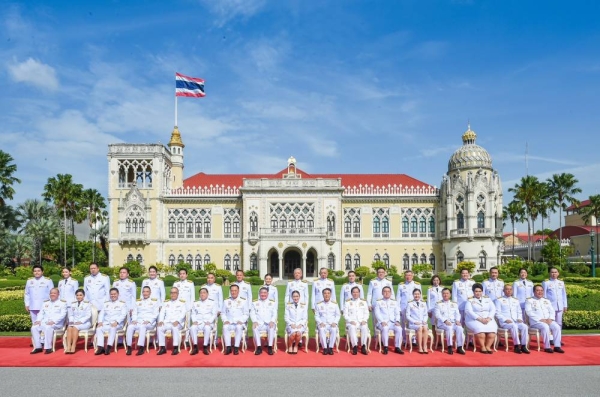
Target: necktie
x,y
78,303
523,282
295,304
437,289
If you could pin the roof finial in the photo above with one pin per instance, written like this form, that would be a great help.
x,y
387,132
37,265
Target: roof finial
x,y
468,124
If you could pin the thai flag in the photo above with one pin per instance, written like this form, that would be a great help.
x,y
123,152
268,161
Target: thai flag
x,y
189,86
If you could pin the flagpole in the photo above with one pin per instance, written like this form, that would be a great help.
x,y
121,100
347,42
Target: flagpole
x,y
176,110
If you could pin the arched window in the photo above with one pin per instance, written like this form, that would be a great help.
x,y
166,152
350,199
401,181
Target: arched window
x,y
404,224
180,228
236,262
376,227
423,259
356,261
480,220
331,222
128,226
171,260
198,262
331,261
227,262
376,258
171,227
385,225
206,259
431,225
432,260
274,223
348,226
460,212
460,221
236,228
482,260
189,228
356,227
310,224
348,262
386,260
405,262
253,262
415,259
139,258
253,222
189,259
141,226
422,226
180,259
460,257
413,225
129,258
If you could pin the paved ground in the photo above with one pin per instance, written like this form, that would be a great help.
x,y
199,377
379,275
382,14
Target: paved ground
x,y
515,381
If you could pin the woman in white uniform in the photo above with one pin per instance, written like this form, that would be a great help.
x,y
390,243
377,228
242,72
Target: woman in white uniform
x,y
434,295
296,321
80,318
416,315
480,311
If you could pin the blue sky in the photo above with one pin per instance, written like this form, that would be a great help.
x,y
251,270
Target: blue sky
x,y
344,86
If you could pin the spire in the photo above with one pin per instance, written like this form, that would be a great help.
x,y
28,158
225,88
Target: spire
x,y
469,136
176,138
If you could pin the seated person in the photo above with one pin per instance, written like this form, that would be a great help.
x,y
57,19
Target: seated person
x,y
171,318
510,317
296,320
356,314
542,317
327,317
480,311
234,315
51,317
143,319
263,313
416,317
447,317
387,316
80,319
111,319
204,314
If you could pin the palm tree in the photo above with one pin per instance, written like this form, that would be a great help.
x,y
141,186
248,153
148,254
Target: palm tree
x,y
94,203
562,190
528,193
7,180
38,221
42,229
65,195
516,213
102,233
592,210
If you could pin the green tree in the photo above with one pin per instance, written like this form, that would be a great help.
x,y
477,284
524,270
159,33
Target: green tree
x,y
515,211
38,221
468,265
528,193
7,178
562,189
554,255
545,232
94,203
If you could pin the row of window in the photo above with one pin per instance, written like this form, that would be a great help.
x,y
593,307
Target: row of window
x,y
460,220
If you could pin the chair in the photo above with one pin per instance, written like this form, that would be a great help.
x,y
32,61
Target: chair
x,y
244,342
86,333
502,334
305,336
200,334
168,334
358,335
337,340
533,332
378,340
410,333
264,334
471,334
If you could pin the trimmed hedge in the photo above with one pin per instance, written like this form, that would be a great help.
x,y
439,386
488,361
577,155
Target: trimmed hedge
x,y
12,307
12,295
581,319
15,323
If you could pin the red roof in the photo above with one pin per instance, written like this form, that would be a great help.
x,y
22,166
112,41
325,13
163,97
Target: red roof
x,y
523,236
571,231
584,203
348,180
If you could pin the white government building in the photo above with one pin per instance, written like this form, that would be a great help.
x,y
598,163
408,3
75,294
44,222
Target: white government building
x,y
277,222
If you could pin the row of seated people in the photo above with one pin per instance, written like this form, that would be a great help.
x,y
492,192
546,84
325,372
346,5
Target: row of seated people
x,y
481,318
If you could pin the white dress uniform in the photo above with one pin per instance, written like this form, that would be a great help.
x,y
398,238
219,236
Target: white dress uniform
x,y
127,291
327,313
112,312
245,292
97,289
357,310
346,293
522,289
317,290
37,291
67,288
187,291
234,311
480,308
80,312
448,311
144,314
51,312
403,296
157,289
374,291
462,290
263,312
434,295
297,285
541,309
416,312
493,289
273,293
388,311
172,311
215,292
204,313
508,308
296,314
556,292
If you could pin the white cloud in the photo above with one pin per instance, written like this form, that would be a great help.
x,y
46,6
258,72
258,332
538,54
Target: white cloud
x,y
227,10
33,72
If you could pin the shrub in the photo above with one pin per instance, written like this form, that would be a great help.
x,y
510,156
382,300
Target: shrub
x,y
198,273
222,274
362,271
478,278
183,265
134,267
580,269
590,303
577,291
537,269
579,319
210,268
254,280
11,295
15,323
423,269
470,266
251,273
23,273
12,307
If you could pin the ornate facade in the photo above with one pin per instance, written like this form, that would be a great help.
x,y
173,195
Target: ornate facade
x,y
277,222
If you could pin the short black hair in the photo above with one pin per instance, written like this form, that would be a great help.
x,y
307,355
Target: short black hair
x,y
477,285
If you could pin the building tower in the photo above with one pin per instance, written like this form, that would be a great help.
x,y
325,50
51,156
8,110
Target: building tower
x,y
176,147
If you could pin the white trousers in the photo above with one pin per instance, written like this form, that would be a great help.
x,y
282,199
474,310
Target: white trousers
x,y
450,330
161,332
518,331
141,330
48,331
333,331
207,329
545,330
264,328
237,329
385,332
351,331
112,332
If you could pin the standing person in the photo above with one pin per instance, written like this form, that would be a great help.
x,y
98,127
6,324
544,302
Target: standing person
x,y
522,289
79,315
37,291
387,314
157,286
111,319
96,286
556,292
416,317
245,289
171,318
296,321
143,319
67,286
356,314
327,318
297,284
127,289
480,311
376,286
462,290
434,295
52,316
234,315
510,317
319,286
346,291
447,317
405,292
215,291
264,317
204,317
273,293
493,287
541,316
187,289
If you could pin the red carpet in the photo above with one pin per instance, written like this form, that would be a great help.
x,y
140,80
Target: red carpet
x,y
580,350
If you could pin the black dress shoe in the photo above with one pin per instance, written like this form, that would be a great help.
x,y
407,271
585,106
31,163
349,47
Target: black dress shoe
x,y
270,350
331,351
518,349
161,351
355,350
450,351
205,351
175,351
460,350
385,350
325,352
194,350
548,350
524,349
228,350
558,350
398,351
99,351
140,351
107,350
363,350
128,351
236,351
258,351
300,345
552,342
48,351
36,351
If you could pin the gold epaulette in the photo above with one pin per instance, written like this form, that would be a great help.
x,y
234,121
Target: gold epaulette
x,y
63,300
182,300
47,278
241,297
348,300
304,281
153,299
255,300
272,300
122,301
417,283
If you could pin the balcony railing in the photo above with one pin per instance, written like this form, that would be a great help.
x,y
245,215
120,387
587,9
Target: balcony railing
x,y
459,232
293,231
482,230
132,237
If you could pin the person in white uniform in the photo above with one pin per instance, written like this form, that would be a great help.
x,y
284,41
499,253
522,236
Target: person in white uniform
x,y
346,291
319,286
480,311
462,291
510,317
416,317
171,318
296,320
204,316
51,317
493,287
264,317
37,290
157,286
387,314
245,289
447,317
215,291
111,319
273,293
374,293
541,316
356,314
79,315
127,289
405,290
67,287
522,289
234,315
143,319
556,292
297,284
327,318
187,289
96,286
434,295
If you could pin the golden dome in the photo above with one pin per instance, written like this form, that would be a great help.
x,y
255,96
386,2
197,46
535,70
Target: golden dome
x,y
469,136
469,155
176,138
